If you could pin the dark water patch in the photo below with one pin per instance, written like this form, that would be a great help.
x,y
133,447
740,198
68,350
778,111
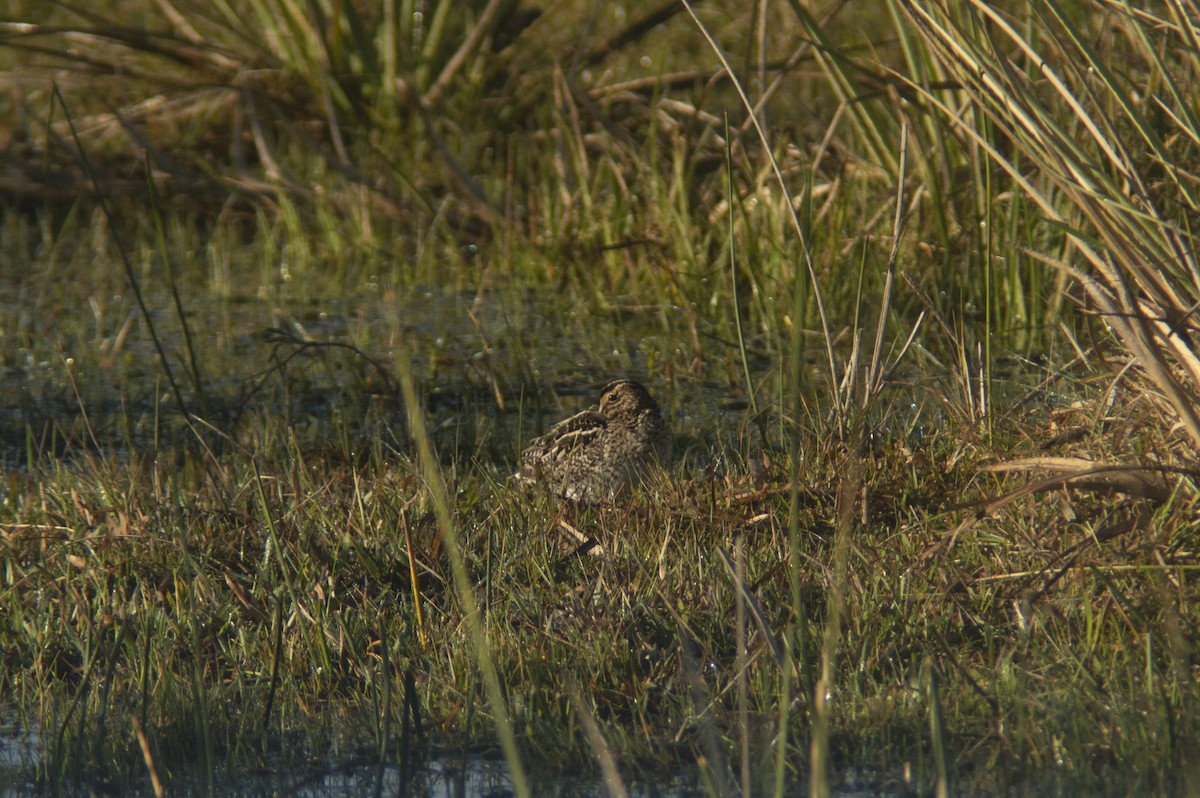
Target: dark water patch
x,y
442,774
88,376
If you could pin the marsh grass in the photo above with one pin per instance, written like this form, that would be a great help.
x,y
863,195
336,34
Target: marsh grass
x,y
386,251
233,602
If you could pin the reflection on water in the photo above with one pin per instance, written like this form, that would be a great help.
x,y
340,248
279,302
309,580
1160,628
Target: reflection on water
x,y
82,375
18,756
443,776
447,777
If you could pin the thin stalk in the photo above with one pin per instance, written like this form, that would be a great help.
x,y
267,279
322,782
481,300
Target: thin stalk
x,y
462,582
277,657
801,236
173,284
875,371
743,664
937,730
820,784
785,706
102,201
385,683
733,271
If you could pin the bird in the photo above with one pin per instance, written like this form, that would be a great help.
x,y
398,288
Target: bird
x,y
593,455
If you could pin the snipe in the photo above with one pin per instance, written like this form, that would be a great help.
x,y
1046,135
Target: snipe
x,y
593,455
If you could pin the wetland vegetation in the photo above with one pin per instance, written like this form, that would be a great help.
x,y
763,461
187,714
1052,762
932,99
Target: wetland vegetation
x,y
287,286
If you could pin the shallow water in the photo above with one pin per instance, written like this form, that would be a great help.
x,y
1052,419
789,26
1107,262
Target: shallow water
x,y
442,775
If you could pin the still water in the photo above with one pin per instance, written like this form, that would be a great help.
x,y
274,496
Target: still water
x,y
438,776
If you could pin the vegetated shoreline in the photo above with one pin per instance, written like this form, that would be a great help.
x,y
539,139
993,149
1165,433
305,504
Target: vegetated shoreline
x,y
196,591
977,586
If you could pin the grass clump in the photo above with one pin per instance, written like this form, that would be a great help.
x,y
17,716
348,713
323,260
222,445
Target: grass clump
x,y
233,601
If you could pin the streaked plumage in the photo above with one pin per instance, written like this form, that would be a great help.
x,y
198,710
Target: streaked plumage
x,y
593,455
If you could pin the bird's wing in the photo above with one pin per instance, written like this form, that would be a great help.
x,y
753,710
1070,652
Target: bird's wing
x,y
563,438
570,433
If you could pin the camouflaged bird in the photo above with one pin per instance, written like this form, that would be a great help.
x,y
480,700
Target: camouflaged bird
x,y
593,455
